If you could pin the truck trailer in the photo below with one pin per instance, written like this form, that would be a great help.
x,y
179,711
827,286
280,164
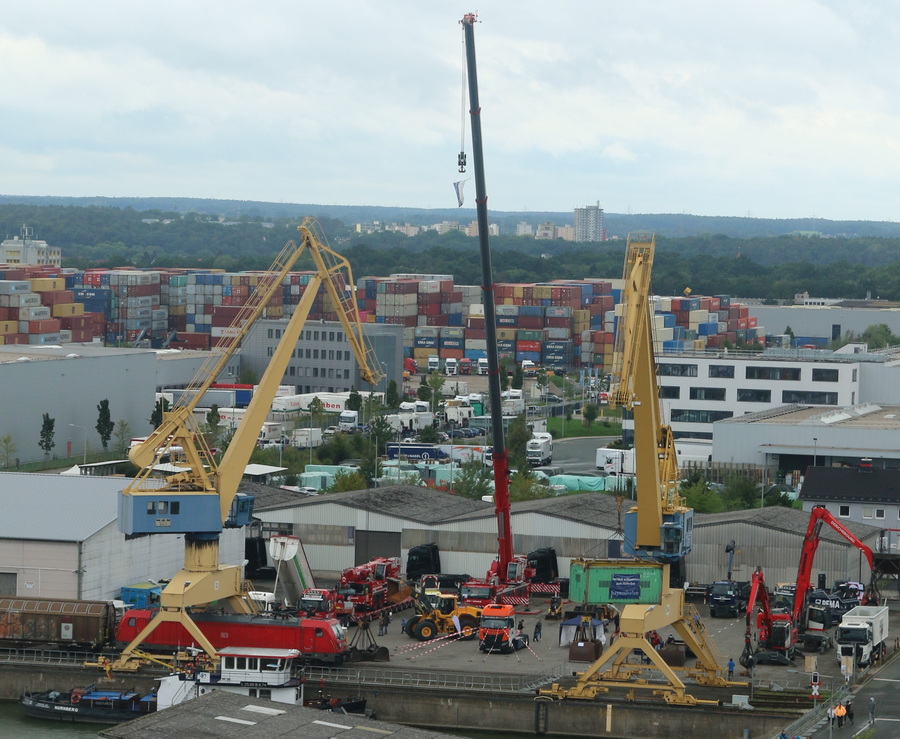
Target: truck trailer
x,y
862,634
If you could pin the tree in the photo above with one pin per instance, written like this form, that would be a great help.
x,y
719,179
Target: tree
x,y
122,436
428,435
436,383
370,468
317,410
354,400
740,493
504,373
48,430
423,392
8,449
523,486
380,433
391,395
346,481
247,376
473,480
590,413
542,380
518,378
516,439
161,407
105,424
212,423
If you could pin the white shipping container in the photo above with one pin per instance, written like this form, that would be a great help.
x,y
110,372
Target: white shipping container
x,y
12,287
34,313
476,310
20,300
65,336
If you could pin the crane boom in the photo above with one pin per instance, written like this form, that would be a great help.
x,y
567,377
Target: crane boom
x,y
203,497
659,527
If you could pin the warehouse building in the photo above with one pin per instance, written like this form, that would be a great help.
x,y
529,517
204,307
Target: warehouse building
x,y
78,551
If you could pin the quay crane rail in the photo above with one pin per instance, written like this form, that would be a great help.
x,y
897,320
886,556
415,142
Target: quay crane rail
x,y
202,499
660,527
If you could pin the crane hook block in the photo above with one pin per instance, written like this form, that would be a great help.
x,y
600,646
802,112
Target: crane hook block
x,y
462,161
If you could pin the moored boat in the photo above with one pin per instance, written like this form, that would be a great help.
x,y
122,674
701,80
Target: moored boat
x,y
87,705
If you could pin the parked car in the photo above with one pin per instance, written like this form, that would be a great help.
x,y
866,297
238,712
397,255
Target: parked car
x,y
330,431
457,434
551,398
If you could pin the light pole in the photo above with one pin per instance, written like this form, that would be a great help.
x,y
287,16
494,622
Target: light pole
x,y
815,449
84,430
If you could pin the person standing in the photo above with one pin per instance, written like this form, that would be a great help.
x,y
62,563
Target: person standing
x,y
538,629
730,669
829,714
850,712
840,712
872,710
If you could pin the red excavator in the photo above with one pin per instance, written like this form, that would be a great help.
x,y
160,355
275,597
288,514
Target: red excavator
x,y
776,633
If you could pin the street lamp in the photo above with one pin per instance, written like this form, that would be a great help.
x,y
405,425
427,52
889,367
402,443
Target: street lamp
x,y
815,442
84,430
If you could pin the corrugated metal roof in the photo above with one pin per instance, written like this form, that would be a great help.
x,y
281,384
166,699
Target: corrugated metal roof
x,y
404,501
783,519
852,485
56,507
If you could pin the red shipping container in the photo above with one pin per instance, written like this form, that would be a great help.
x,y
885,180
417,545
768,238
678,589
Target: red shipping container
x,y
531,322
528,346
46,326
57,296
475,333
446,286
452,353
752,321
429,298
554,322
15,339
475,323
438,320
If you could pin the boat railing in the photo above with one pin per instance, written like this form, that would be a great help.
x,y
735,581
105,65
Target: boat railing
x,y
35,655
438,680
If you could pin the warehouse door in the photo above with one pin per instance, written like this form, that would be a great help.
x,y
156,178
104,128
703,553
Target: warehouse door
x,y
8,584
371,544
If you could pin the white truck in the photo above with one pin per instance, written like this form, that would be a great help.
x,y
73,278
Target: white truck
x,y
271,431
482,366
348,420
621,461
434,363
861,635
529,368
453,388
306,438
451,366
415,406
539,449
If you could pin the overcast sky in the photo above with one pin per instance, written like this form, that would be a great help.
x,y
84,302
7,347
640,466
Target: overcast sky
x,y
769,109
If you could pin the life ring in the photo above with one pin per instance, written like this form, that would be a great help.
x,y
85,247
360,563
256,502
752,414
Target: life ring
x,y
75,698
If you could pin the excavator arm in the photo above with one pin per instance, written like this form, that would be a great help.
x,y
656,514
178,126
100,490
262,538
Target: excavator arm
x,y
818,516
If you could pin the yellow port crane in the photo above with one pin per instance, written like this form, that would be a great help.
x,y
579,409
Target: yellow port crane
x,y
659,528
202,499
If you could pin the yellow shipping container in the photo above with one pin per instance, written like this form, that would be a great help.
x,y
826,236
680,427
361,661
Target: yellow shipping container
x,y
47,284
506,334
177,310
9,327
64,310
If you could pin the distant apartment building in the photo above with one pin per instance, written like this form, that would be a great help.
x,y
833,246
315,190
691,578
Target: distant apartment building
x,y
25,249
546,230
589,223
472,229
446,227
368,228
566,233
406,228
524,229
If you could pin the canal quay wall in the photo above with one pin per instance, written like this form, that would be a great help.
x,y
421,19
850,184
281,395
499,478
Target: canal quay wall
x,y
459,708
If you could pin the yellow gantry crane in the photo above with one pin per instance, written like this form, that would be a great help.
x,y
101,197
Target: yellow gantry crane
x,y
659,528
202,499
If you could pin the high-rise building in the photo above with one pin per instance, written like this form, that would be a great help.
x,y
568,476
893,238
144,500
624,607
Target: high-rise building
x,y
589,223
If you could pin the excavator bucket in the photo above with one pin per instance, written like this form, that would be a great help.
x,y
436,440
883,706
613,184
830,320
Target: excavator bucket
x,y
398,591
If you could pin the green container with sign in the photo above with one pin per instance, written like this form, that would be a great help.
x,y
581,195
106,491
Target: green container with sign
x,y
599,581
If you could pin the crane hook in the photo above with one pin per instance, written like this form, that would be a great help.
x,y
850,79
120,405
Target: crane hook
x,y
461,161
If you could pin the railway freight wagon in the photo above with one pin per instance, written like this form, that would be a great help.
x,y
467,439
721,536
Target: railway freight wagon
x,y
320,640
77,623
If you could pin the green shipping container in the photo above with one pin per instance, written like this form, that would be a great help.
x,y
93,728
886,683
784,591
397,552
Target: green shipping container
x,y
524,334
599,581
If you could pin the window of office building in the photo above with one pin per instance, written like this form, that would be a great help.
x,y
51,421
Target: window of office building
x,y
824,375
691,415
669,392
754,396
773,373
844,511
315,353
707,393
879,513
677,370
722,370
810,397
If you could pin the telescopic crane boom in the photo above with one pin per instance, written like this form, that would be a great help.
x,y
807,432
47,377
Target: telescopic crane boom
x,y
201,499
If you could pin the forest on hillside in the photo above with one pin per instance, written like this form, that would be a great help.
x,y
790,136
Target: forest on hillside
x,y
772,267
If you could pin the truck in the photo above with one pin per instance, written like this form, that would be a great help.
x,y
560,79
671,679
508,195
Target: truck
x,y
434,363
539,449
306,438
348,420
451,366
271,431
621,461
482,368
465,366
497,630
529,368
410,421
452,389
862,634
422,452
410,367
728,598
